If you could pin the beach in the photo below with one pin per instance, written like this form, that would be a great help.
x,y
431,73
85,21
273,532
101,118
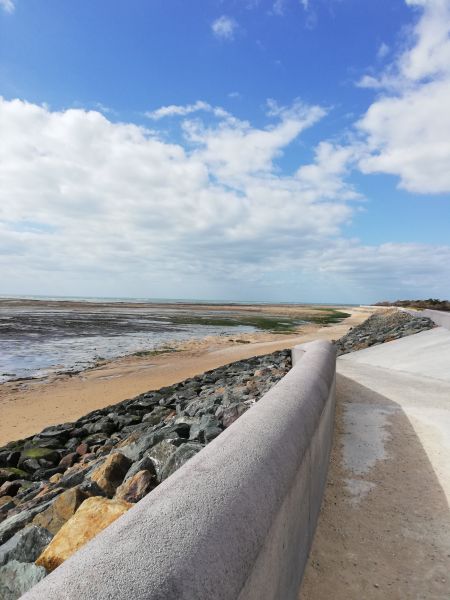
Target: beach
x,y
27,406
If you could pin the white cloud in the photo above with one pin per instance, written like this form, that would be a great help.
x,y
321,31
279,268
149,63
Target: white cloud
x,y
237,150
92,206
81,194
224,28
408,128
305,4
7,5
175,110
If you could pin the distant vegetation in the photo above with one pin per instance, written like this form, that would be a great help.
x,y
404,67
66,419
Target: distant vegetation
x,y
433,303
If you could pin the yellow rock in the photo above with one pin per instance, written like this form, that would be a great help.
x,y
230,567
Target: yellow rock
x,y
55,478
94,515
62,509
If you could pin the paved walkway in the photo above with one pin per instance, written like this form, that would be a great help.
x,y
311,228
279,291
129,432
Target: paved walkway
x,y
384,529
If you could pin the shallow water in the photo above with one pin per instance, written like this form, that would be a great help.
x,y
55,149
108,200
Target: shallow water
x,y
38,340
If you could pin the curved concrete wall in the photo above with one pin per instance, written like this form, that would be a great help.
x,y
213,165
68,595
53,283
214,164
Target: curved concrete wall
x,y
236,521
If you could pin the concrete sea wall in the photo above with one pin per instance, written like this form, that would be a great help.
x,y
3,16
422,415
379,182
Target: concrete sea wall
x,y
237,520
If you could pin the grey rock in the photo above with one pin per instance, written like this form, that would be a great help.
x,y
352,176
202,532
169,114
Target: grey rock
x,y
178,458
145,464
12,524
160,454
157,414
16,578
26,545
135,451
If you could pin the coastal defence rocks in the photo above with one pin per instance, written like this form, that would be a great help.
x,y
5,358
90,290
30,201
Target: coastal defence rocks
x,y
118,454
382,327
237,519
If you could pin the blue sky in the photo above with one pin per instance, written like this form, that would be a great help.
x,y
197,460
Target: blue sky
x,y
272,150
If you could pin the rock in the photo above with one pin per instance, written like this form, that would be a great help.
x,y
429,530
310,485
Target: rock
x,y
111,473
30,465
157,415
92,517
68,460
82,449
10,488
39,452
6,502
12,524
12,473
9,458
205,430
145,464
160,454
16,578
178,458
232,413
74,476
56,478
101,426
26,545
61,510
136,487
136,449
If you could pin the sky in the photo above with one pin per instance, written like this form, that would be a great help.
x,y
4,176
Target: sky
x,y
272,150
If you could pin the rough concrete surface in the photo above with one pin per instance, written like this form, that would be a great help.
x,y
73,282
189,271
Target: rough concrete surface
x,y
236,521
384,528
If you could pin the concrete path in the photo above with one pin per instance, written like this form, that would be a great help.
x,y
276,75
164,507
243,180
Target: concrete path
x,y
384,529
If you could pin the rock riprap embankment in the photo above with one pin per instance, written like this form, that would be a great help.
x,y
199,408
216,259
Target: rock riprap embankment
x,y
382,327
62,486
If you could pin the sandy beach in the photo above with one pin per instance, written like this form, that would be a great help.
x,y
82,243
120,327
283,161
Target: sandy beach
x,y
27,407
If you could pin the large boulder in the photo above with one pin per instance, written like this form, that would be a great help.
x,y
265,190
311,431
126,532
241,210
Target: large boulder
x,y
16,578
111,473
61,510
94,515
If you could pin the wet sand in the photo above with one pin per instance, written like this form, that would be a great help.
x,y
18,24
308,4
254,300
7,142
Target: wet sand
x,y
26,407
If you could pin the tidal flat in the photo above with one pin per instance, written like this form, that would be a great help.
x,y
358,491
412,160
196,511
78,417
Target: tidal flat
x,y
43,337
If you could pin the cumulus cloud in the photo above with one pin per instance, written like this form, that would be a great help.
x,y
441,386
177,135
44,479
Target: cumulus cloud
x,y
408,127
224,28
7,5
87,203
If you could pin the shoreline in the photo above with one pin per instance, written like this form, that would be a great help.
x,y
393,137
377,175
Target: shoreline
x,y
28,406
